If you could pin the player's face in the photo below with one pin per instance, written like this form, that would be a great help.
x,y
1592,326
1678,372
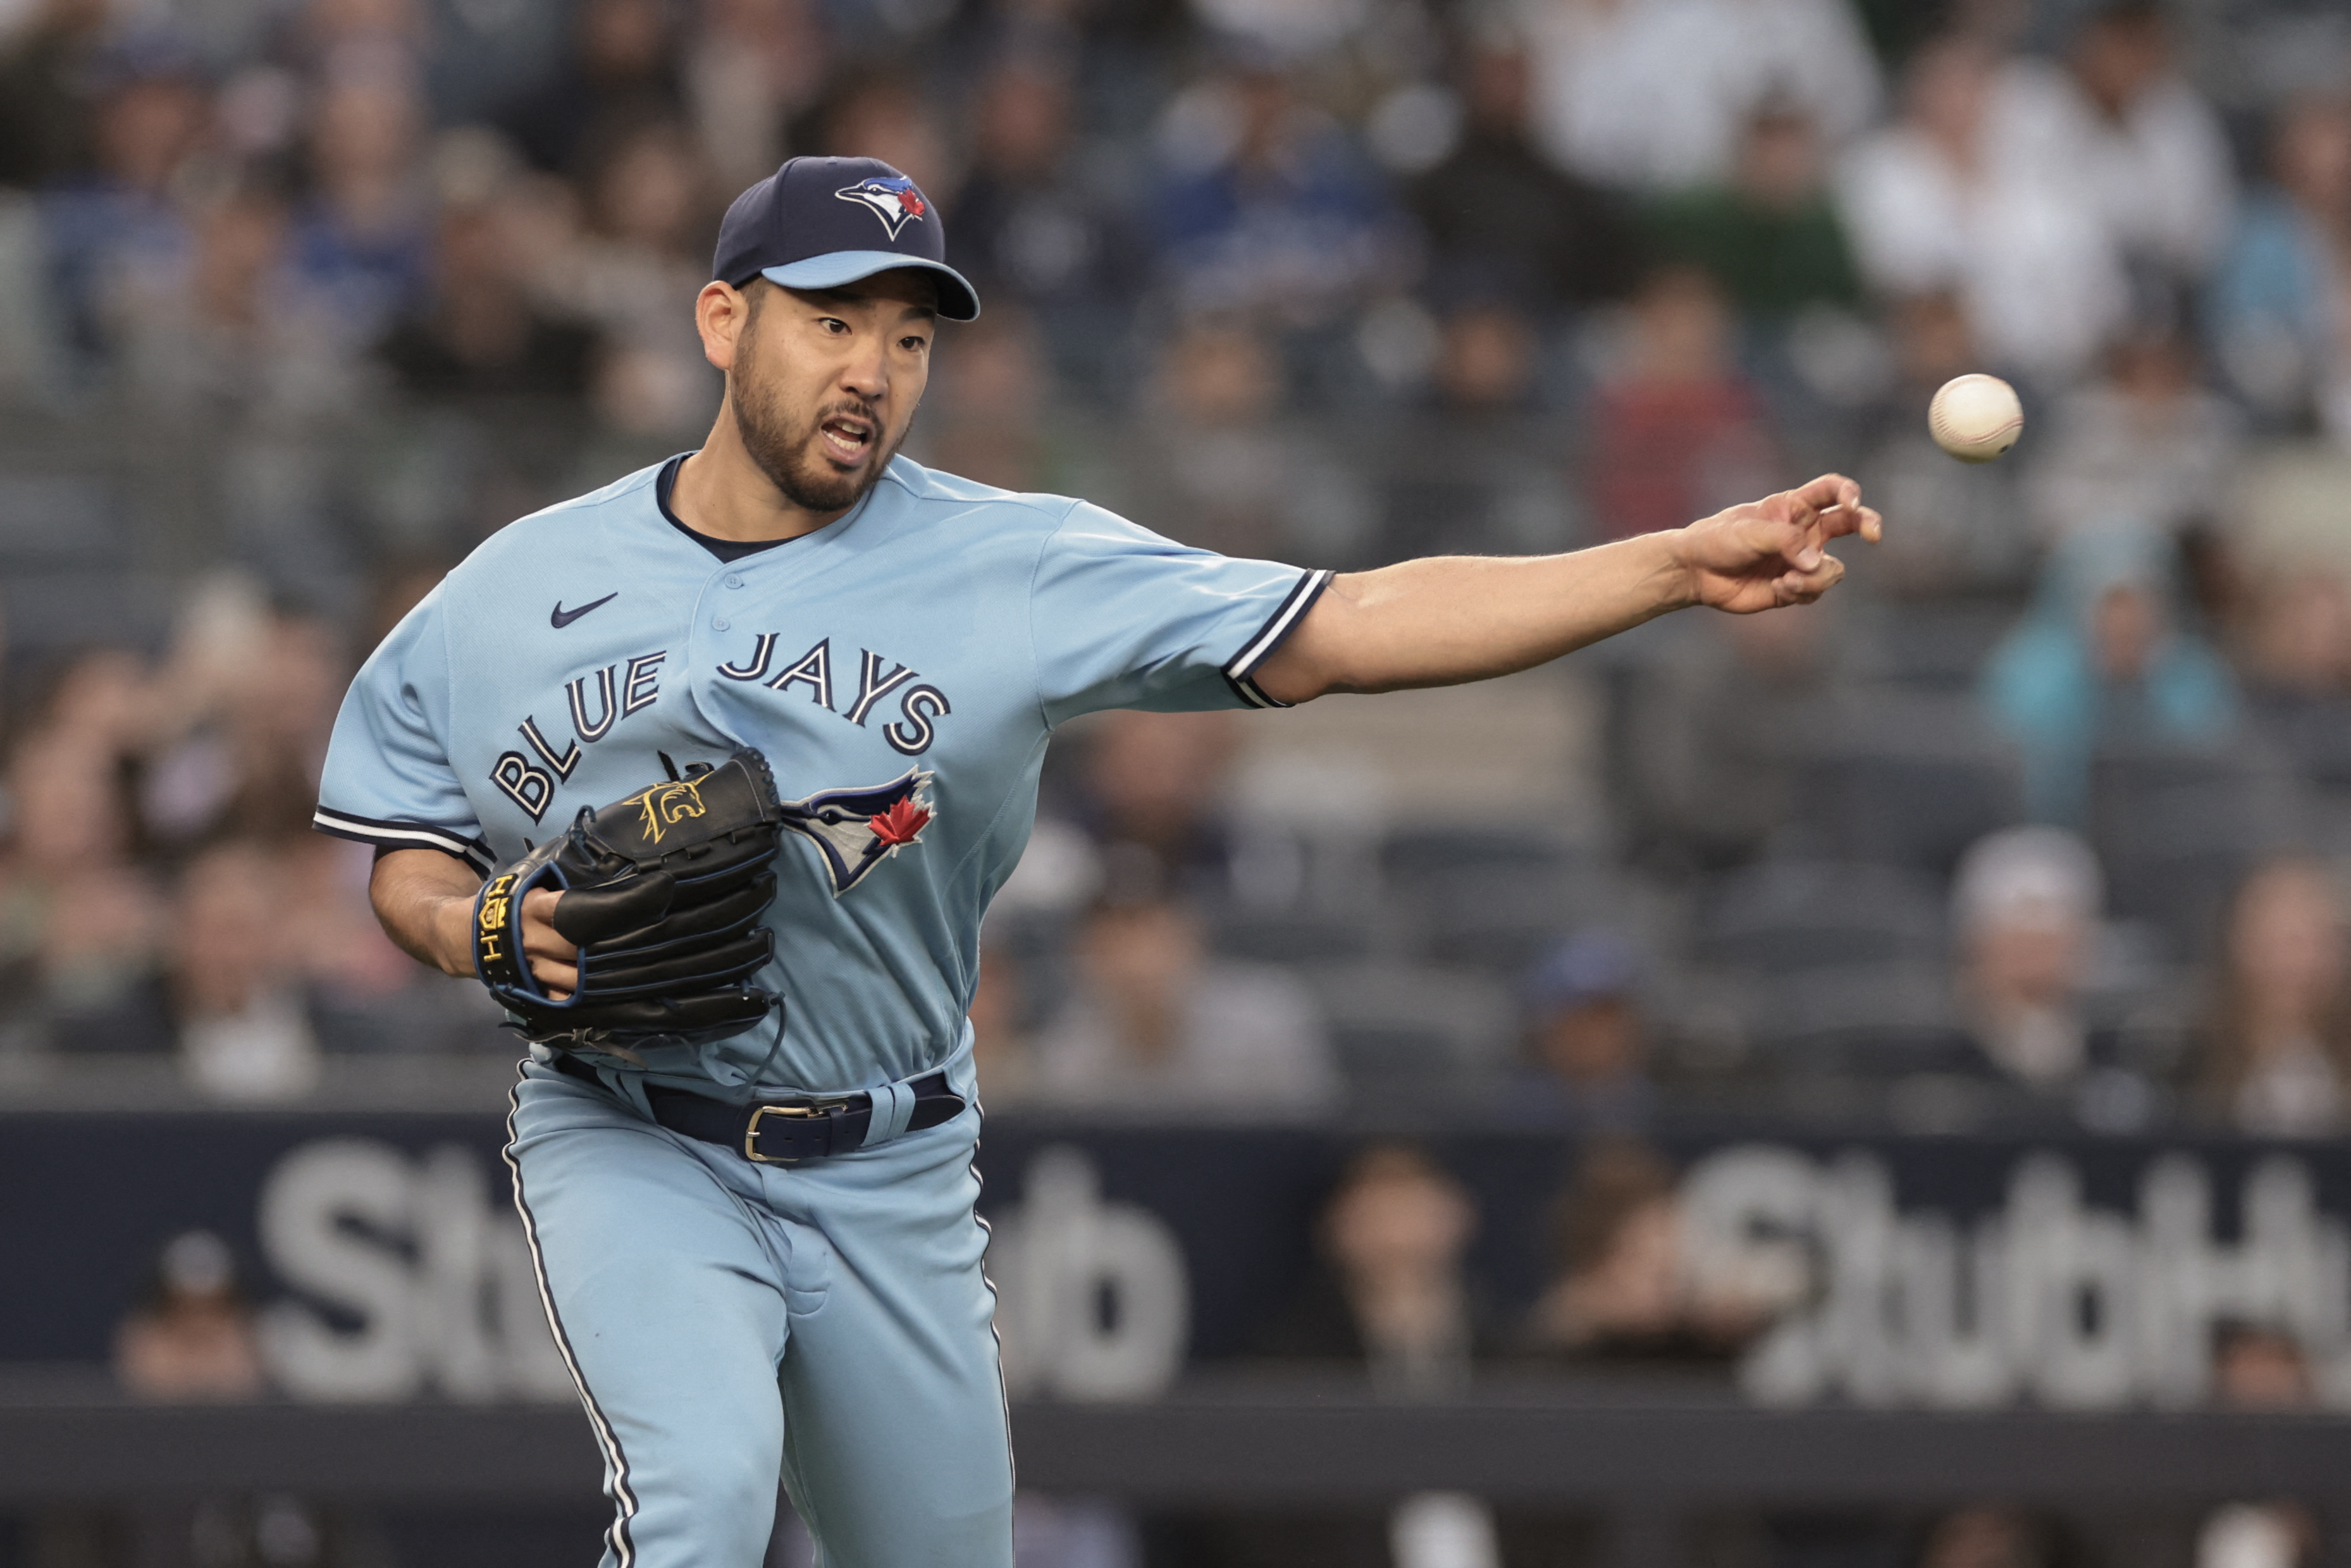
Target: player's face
x,y
825,384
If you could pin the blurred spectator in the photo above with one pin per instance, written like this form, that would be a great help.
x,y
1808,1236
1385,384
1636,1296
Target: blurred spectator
x,y
1934,205
81,936
984,418
1482,471
193,1337
254,695
85,928
2296,664
1769,236
1266,205
2024,914
46,130
2147,443
2257,1368
2279,1059
2102,657
1039,224
1719,730
220,323
1499,214
2278,317
364,994
362,240
1677,432
478,333
1154,1023
1000,1048
623,69
1589,1067
749,66
121,215
885,115
2129,139
244,1030
1389,1291
1622,1289
1650,94
1155,782
1992,1537
1215,462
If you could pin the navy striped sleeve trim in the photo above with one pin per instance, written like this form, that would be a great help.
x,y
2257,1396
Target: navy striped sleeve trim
x,y
1276,628
404,836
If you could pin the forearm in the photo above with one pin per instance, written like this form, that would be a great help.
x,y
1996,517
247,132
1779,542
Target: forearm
x,y
424,901
1451,618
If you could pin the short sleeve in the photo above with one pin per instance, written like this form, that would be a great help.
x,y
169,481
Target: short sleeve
x,y
387,780
1120,617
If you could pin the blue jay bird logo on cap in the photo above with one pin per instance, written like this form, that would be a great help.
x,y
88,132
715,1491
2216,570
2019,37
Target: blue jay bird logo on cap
x,y
894,201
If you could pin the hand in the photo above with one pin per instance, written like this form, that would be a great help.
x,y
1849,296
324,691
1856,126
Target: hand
x,y
554,959
1768,553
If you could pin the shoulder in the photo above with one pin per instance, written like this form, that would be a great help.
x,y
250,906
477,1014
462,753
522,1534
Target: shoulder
x,y
533,538
934,494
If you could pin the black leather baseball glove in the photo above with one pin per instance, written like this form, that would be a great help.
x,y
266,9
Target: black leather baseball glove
x,y
663,892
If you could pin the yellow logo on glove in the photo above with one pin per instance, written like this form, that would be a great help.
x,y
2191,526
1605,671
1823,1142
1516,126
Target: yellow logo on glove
x,y
666,805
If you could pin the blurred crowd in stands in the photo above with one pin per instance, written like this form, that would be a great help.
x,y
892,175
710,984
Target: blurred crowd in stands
x,y
2043,820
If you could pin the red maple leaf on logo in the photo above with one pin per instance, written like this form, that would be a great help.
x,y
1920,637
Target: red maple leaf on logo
x,y
913,202
901,824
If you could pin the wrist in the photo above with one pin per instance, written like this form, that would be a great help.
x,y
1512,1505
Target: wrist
x,y
453,935
1677,572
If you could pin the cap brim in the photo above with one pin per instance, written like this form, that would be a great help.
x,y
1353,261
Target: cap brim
x,y
959,301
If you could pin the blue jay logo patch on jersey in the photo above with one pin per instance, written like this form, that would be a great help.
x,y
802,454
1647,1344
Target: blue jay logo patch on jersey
x,y
894,201
857,830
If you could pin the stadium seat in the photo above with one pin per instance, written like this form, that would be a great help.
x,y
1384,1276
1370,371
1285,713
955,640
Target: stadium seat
x,y
2177,828
1906,780
1426,1034
1784,918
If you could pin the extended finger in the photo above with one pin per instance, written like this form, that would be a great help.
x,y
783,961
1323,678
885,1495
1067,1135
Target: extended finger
x,y
1838,521
1828,490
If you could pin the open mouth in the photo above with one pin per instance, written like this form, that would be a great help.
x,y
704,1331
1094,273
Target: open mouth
x,y
847,438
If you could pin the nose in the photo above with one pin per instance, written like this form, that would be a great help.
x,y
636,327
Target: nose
x,y
867,370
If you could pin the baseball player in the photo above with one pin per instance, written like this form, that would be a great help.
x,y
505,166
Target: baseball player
x,y
814,680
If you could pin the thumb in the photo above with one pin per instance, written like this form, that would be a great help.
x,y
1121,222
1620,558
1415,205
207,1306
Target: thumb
x,y
590,915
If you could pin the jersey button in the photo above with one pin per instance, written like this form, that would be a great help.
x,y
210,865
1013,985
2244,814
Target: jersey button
x,y
733,581
719,625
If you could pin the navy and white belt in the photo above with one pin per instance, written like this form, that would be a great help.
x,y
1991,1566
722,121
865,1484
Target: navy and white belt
x,y
805,1127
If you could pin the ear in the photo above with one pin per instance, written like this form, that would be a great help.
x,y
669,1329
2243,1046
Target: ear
x,y
722,314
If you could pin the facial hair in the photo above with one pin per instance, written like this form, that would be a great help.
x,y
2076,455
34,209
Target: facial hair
x,y
785,447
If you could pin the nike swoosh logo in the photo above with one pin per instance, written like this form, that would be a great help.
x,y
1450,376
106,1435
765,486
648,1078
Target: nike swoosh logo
x,y
562,617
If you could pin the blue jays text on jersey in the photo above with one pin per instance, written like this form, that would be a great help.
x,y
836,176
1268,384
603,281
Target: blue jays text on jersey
x,y
902,668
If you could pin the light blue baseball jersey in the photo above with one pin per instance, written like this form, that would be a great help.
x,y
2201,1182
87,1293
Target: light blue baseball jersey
x,y
901,669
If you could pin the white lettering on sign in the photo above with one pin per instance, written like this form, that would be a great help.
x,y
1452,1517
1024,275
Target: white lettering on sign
x,y
408,1273
1093,1301
2047,1299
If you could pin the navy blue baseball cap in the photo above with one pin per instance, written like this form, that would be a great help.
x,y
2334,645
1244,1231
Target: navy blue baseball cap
x,y
819,223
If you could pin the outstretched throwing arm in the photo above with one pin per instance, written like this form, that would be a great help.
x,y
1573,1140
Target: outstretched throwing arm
x,y
1453,619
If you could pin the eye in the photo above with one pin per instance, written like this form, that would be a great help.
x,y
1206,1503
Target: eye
x,y
913,345
832,324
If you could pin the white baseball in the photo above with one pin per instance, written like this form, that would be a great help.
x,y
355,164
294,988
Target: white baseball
x,y
1975,418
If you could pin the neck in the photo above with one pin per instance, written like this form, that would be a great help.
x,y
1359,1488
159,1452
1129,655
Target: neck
x,y
723,492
